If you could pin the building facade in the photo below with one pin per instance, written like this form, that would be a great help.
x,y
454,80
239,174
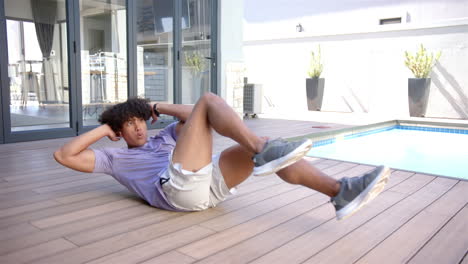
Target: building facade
x,y
363,46
64,61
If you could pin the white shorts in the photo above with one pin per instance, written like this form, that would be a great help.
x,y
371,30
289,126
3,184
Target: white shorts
x,y
195,191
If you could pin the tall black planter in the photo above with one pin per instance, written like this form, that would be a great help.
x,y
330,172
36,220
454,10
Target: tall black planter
x,y
314,89
418,95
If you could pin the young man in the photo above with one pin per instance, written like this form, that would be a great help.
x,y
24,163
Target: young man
x,y
175,170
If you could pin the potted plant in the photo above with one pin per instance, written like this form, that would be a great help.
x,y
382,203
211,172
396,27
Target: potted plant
x,y
198,65
315,84
421,65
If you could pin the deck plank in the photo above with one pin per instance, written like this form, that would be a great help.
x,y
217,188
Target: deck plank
x,y
124,240
257,246
346,250
26,197
85,213
449,245
78,182
57,210
36,236
93,235
422,227
409,187
73,198
171,257
252,186
27,208
121,227
263,243
39,176
236,234
249,212
156,246
32,253
15,231
312,242
9,188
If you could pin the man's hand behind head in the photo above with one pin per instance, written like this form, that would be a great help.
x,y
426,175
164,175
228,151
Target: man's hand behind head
x,y
111,134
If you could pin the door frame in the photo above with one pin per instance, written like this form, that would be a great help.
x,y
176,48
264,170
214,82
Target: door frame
x,y
132,81
74,71
176,54
76,98
214,80
2,70
40,134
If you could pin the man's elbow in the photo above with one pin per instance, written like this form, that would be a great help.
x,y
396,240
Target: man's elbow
x,y
58,156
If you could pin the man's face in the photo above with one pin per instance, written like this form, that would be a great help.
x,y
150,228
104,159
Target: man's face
x,y
134,131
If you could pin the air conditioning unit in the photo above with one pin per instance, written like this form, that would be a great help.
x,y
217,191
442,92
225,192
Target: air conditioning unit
x,y
253,96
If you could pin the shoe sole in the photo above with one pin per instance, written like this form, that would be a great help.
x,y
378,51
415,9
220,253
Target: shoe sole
x,y
372,191
276,165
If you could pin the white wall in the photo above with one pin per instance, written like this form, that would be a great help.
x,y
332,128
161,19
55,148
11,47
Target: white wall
x,y
230,29
266,19
363,61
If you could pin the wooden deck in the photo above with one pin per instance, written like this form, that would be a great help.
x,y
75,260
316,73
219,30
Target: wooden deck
x,y
50,214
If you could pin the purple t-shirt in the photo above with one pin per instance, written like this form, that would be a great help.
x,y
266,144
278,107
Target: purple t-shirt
x,y
139,169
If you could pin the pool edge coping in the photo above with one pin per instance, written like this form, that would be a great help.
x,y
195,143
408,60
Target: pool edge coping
x,y
317,136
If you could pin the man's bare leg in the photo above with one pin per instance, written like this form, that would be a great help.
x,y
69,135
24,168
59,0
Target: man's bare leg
x,y
305,174
347,195
236,166
194,145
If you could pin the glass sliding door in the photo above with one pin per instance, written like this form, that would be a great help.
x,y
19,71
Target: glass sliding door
x,y
154,43
103,36
65,61
37,64
157,41
196,55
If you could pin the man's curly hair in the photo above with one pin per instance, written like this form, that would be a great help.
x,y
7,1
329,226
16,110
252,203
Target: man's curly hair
x,y
116,115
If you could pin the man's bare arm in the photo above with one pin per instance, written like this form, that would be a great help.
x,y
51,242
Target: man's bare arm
x,y
182,112
76,155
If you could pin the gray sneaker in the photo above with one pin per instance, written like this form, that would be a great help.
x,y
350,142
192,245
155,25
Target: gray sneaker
x,y
358,191
278,154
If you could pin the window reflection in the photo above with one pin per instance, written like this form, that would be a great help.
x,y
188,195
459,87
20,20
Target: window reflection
x,y
36,51
196,47
103,56
155,49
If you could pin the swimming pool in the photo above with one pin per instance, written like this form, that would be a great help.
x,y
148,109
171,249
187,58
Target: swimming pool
x,y
438,151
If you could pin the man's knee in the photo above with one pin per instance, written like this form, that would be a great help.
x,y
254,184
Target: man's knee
x,y
209,97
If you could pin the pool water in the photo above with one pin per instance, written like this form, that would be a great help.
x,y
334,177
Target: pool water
x,y
429,152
